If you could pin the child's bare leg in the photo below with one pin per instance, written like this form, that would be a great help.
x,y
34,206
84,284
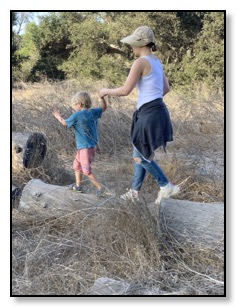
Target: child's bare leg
x,y
94,181
78,178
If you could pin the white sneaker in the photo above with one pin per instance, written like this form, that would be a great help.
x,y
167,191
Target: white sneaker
x,y
131,195
165,192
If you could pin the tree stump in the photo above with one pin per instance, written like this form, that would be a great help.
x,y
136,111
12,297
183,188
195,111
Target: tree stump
x,y
49,200
28,150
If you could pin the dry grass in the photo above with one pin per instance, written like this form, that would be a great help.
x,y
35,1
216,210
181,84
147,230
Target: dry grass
x,y
64,256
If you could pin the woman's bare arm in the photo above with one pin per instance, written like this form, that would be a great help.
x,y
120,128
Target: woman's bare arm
x,y
166,86
134,75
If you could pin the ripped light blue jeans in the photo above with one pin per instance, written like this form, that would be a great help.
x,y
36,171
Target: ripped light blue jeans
x,y
143,166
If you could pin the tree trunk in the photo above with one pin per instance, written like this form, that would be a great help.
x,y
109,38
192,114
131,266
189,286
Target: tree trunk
x,y
44,199
28,150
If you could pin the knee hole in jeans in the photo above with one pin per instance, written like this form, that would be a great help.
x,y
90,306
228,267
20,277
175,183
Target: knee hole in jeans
x,y
137,160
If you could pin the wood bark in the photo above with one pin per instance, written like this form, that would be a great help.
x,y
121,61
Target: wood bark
x,y
28,150
44,199
198,223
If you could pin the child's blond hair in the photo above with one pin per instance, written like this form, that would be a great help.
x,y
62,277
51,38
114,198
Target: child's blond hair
x,y
83,99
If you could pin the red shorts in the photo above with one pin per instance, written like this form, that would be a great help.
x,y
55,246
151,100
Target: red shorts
x,y
83,159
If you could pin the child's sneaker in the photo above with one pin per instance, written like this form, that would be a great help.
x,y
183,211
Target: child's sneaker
x,y
131,195
165,192
74,187
104,192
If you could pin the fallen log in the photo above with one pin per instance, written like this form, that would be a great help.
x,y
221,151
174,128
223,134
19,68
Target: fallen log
x,y
28,150
183,221
40,198
198,223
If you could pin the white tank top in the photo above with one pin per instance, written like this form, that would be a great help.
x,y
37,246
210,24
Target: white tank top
x,y
150,86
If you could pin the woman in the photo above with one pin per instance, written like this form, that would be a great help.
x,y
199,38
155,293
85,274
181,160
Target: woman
x,y
151,124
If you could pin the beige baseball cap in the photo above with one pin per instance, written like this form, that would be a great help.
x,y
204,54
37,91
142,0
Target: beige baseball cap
x,y
141,37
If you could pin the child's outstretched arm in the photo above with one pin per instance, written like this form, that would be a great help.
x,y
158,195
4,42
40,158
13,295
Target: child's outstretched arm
x,y
104,104
57,115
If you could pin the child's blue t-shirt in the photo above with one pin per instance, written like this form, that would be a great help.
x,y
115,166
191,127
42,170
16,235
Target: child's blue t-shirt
x,y
85,123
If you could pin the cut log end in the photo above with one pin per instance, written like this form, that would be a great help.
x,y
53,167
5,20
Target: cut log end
x,y
15,191
36,148
28,150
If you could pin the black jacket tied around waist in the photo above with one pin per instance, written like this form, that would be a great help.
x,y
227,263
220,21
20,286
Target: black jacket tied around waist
x,y
151,127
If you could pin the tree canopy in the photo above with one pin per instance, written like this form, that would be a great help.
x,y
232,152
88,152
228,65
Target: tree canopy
x,y
74,45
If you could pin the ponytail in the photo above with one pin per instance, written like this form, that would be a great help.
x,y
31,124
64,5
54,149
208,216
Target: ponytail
x,y
152,46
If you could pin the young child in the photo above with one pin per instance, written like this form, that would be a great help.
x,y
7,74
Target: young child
x,y
85,123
